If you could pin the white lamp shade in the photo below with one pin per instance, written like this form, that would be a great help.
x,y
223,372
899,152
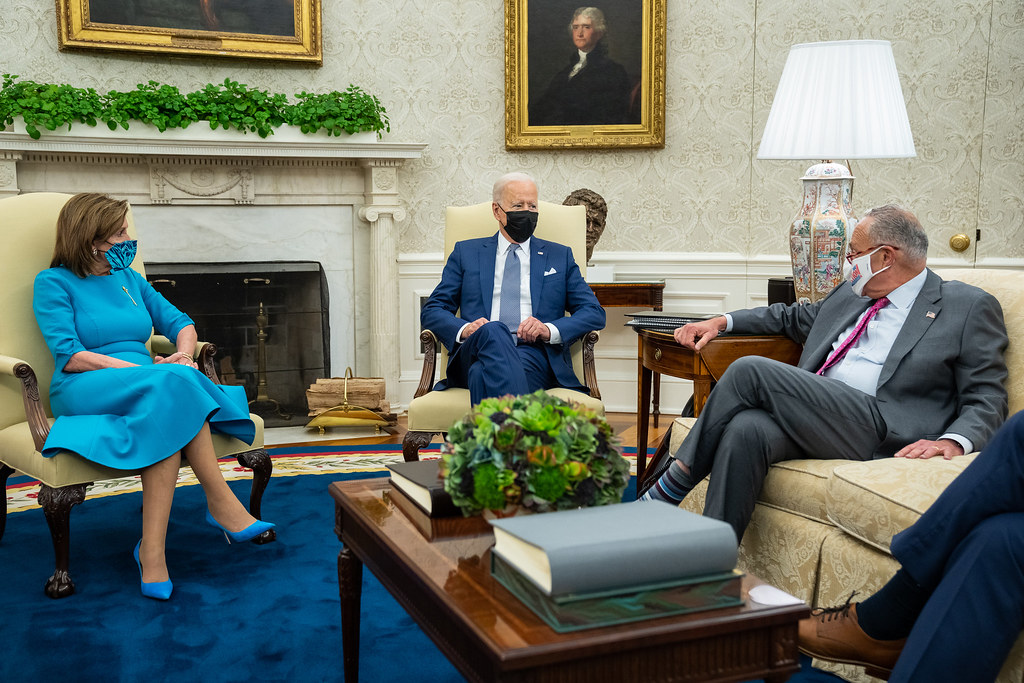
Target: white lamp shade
x,y
838,100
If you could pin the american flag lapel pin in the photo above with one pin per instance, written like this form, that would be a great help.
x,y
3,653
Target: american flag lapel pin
x,y
930,314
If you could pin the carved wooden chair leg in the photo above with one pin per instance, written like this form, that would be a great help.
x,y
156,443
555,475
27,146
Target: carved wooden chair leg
x,y
5,472
57,504
262,467
412,442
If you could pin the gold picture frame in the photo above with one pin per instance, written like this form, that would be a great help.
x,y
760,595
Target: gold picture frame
x,y
542,113
256,29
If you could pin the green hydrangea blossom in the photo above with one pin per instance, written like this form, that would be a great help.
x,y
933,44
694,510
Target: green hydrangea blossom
x,y
534,451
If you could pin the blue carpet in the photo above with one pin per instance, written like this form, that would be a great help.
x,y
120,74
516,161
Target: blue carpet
x,y
238,613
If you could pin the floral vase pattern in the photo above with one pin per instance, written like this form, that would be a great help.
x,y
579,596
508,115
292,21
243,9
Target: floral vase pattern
x,y
818,235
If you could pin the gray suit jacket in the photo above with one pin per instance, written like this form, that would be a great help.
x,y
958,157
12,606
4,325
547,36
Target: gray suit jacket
x,y
945,372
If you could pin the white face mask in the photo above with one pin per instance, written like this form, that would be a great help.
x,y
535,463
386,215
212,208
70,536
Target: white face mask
x,y
860,271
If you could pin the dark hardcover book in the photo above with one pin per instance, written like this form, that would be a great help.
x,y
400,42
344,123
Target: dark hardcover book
x,y
619,546
438,528
607,608
421,481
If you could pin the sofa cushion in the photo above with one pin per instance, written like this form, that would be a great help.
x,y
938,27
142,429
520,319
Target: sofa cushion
x,y
876,499
796,486
1008,287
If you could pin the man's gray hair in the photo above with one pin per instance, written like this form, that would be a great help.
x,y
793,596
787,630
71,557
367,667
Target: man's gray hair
x,y
893,225
595,15
501,183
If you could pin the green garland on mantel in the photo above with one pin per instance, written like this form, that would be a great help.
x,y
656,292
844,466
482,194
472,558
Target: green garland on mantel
x,y
226,105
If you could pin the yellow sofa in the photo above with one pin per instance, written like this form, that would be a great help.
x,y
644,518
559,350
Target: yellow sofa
x,y
821,528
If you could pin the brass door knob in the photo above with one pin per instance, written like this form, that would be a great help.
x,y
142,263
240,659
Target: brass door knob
x,y
959,242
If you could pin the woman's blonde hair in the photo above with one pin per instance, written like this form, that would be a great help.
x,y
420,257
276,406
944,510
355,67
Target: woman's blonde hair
x,y
86,218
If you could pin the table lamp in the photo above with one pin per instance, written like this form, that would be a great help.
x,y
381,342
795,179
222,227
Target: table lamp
x,y
836,100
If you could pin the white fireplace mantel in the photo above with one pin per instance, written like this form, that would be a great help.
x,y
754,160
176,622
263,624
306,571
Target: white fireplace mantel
x,y
199,167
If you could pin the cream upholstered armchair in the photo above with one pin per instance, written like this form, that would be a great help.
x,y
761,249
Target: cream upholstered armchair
x,y
434,412
26,366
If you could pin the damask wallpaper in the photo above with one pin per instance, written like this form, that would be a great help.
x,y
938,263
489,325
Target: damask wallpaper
x,y
437,65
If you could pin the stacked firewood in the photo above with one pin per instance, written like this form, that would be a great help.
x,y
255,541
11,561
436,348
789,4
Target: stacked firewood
x,y
362,392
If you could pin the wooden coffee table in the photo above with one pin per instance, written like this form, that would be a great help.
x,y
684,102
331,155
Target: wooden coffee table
x,y
446,587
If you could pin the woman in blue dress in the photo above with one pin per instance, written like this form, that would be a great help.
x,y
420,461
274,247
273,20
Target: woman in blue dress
x,y
114,404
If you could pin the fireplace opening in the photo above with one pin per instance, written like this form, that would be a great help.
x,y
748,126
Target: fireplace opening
x,y
270,324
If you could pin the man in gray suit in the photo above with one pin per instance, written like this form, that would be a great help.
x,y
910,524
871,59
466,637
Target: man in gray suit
x,y
896,361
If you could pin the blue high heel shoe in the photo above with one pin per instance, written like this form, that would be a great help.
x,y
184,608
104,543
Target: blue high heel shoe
x,y
247,534
158,590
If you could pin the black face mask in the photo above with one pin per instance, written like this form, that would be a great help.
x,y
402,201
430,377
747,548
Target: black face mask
x,y
520,224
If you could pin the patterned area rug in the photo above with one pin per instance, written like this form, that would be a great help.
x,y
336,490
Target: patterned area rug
x,y
292,461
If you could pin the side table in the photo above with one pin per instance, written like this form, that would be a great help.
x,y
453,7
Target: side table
x,y
645,294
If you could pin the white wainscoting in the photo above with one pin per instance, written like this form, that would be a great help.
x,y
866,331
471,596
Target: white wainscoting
x,y
699,283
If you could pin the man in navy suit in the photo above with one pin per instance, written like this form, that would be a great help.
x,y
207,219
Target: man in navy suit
x,y
509,306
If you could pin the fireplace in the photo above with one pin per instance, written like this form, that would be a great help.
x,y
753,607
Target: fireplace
x,y
269,321
222,196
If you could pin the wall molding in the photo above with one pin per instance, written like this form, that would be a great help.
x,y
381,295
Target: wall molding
x,y
699,283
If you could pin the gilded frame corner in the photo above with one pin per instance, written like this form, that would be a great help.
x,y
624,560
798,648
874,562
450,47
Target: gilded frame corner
x,y
78,27
642,126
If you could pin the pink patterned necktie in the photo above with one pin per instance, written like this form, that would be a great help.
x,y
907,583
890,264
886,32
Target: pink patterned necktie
x,y
840,352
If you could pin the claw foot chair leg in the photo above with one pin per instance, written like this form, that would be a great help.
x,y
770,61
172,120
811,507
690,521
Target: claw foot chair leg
x,y
413,442
262,467
57,504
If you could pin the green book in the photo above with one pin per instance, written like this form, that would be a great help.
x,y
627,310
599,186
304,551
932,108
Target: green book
x,y
607,608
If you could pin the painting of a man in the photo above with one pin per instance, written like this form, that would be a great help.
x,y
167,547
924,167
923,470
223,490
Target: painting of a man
x,y
591,88
266,17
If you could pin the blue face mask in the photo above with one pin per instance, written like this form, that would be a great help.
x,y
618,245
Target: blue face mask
x,y
121,255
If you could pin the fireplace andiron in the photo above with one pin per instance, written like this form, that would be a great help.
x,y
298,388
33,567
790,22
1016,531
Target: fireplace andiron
x,y
262,397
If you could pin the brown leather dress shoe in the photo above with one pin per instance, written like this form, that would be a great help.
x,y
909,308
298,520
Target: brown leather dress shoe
x,y
833,634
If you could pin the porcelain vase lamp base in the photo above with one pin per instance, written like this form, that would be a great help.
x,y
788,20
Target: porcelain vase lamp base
x,y
820,232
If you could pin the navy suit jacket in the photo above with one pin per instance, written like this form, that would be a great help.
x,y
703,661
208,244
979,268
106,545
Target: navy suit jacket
x,y
556,288
945,372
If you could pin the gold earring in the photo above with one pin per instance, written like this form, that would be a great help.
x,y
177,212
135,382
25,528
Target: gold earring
x,y
95,251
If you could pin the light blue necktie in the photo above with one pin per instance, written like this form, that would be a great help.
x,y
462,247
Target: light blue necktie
x,y
509,310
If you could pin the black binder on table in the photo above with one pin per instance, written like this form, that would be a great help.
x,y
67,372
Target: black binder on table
x,y
664,320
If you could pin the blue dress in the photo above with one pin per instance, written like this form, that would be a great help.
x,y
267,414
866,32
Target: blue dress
x,y
125,418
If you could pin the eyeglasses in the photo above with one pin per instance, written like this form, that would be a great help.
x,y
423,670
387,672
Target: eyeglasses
x,y
851,255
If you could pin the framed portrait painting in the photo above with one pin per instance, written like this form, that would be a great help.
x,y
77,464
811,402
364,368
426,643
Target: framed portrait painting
x,y
257,29
579,77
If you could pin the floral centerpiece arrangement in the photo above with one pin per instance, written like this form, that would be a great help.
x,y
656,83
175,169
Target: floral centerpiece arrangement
x,y
534,452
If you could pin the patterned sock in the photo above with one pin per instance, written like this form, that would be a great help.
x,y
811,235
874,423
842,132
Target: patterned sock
x,y
671,487
890,613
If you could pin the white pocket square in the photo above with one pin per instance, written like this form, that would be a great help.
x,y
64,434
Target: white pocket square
x,y
550,272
